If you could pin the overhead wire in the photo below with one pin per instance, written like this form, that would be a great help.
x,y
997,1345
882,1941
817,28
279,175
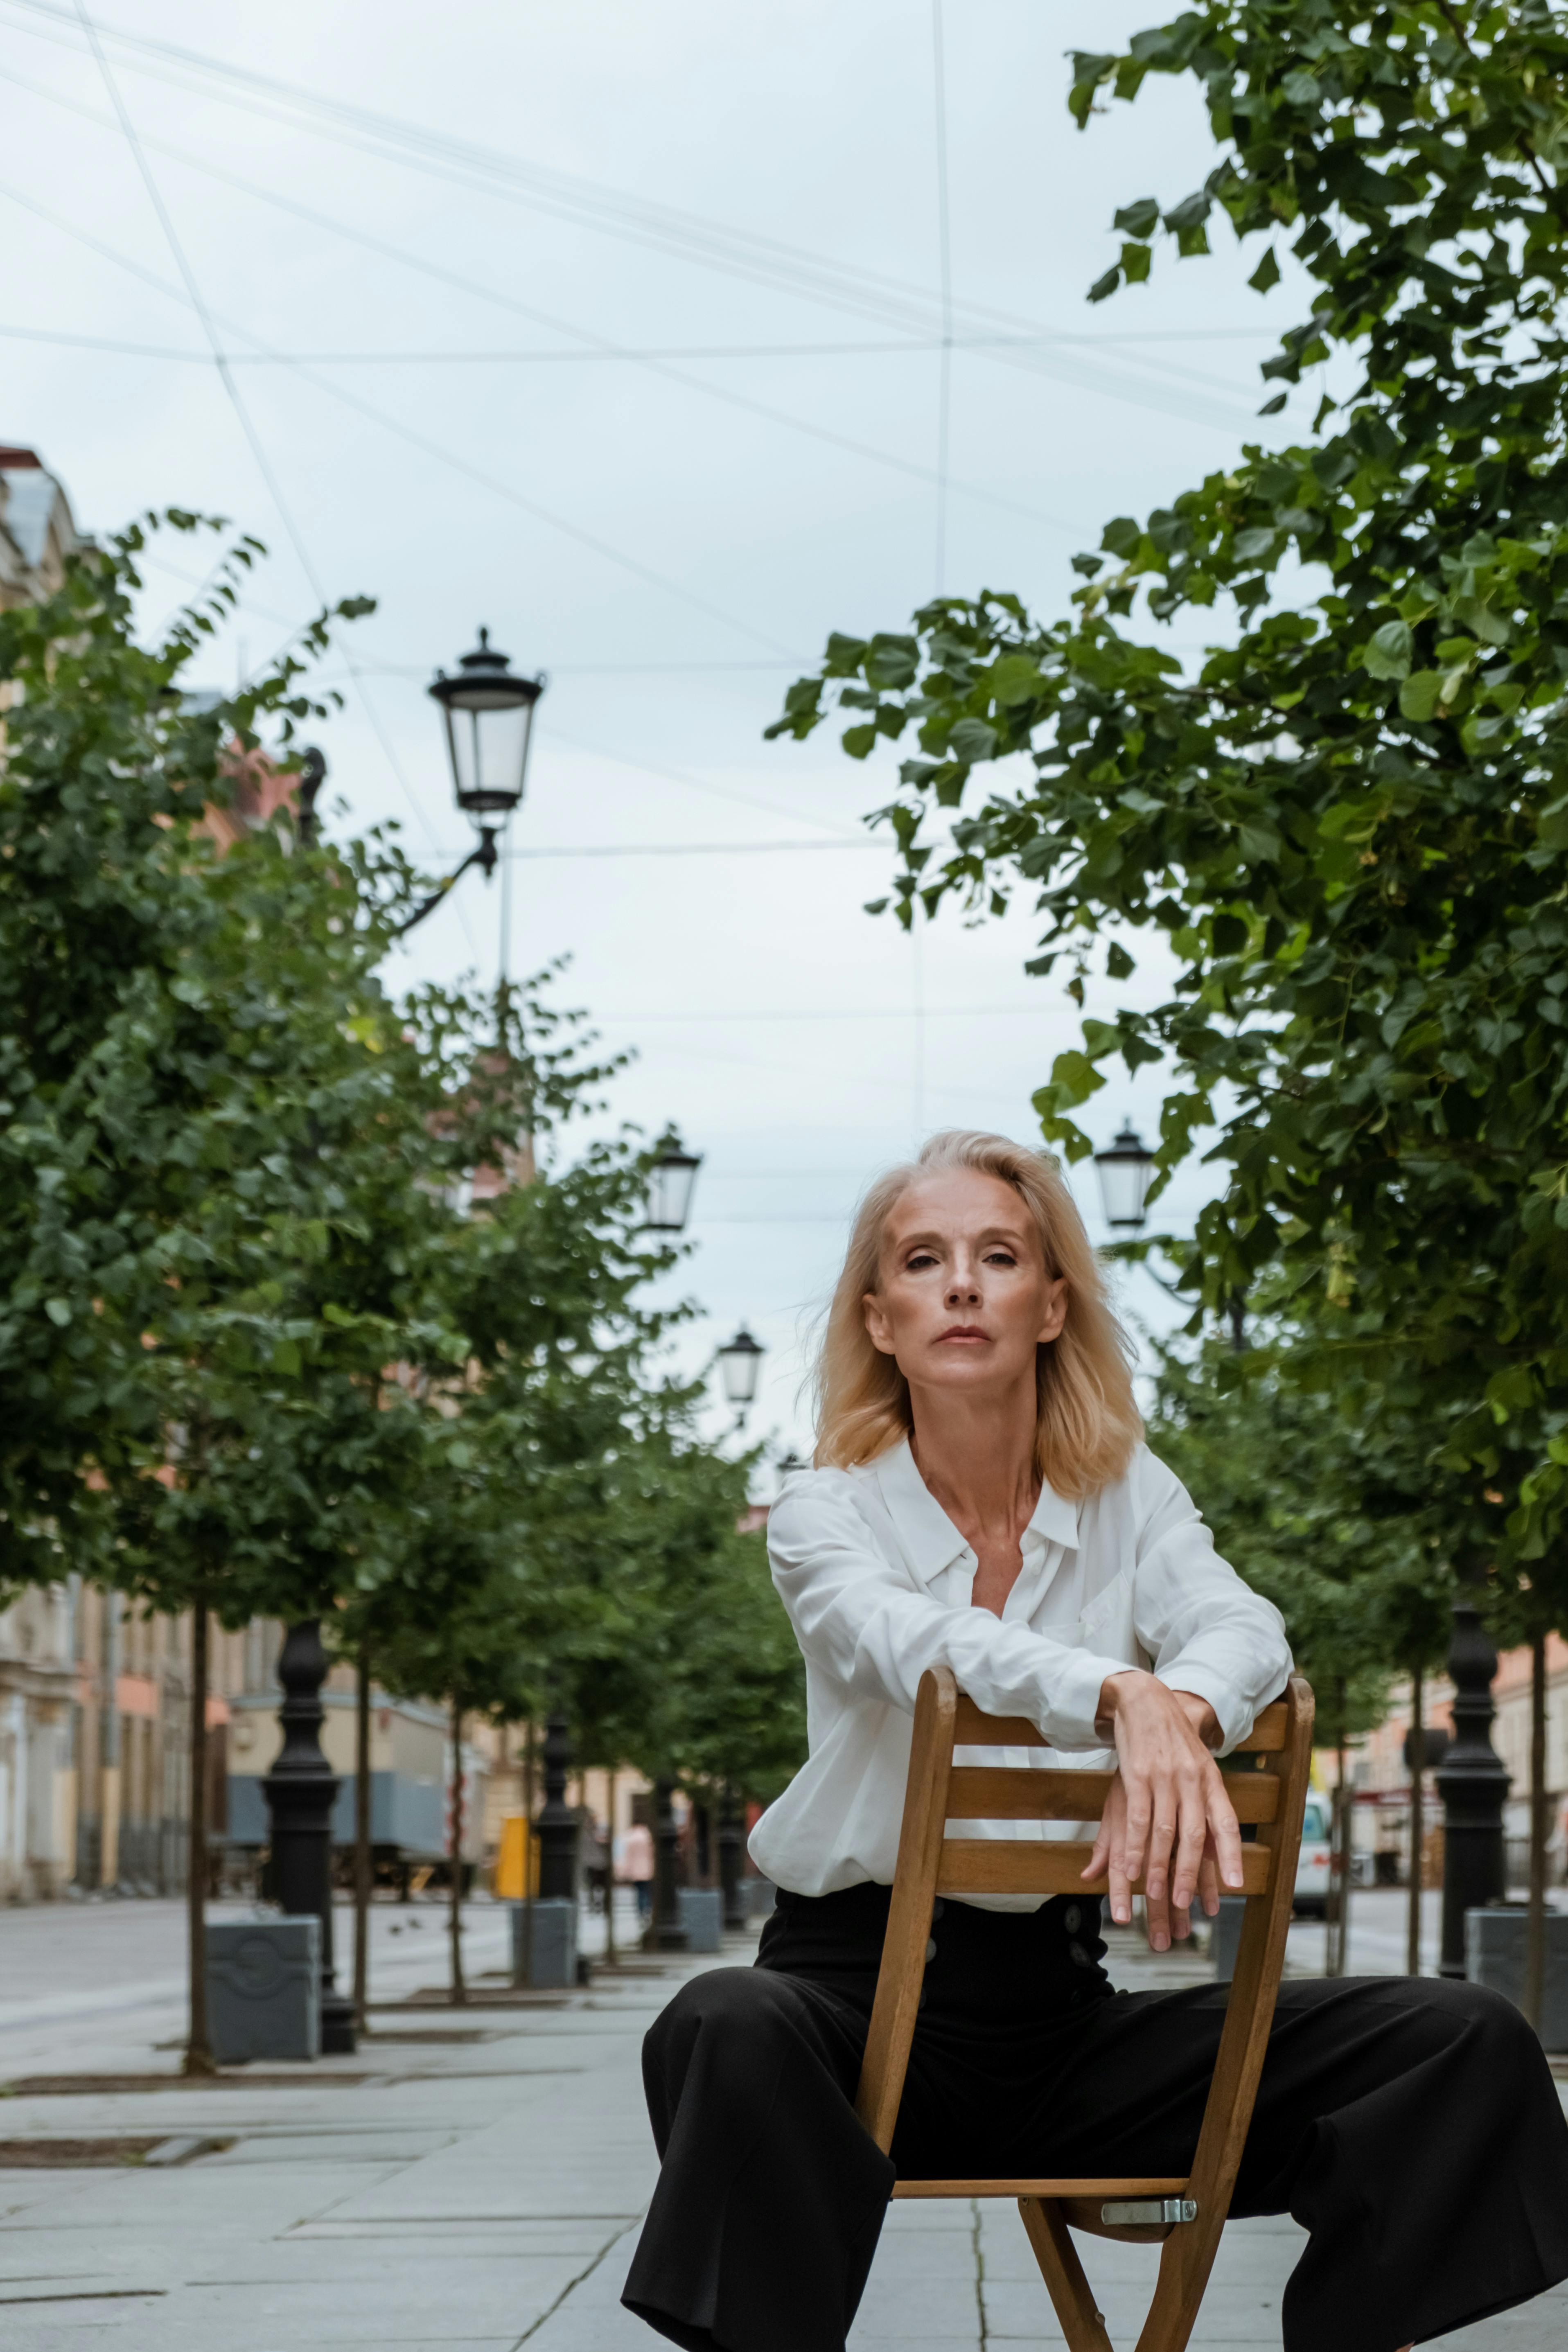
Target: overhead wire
x,y
714,245
944,268
263,463
420,441
603,346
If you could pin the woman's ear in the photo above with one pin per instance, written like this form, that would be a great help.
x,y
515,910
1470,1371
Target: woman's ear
x,y
877,1323
1056,1315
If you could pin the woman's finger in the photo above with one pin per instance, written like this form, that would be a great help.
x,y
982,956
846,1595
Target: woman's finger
x,y
1137,1814
1209,1881
1227,1834
1193,1836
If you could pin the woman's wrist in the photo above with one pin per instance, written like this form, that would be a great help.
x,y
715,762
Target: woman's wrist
x,y
1200,1714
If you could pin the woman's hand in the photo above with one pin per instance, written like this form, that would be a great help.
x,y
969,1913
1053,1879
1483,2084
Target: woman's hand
x,y
1168,1819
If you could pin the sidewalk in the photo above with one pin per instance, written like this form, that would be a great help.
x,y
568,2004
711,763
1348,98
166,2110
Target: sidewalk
x,y
466,2183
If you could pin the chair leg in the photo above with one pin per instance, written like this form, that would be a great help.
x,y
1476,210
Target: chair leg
x,y
1070,2290
1185,2262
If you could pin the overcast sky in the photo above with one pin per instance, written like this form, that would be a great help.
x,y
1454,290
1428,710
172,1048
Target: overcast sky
x,y
618,330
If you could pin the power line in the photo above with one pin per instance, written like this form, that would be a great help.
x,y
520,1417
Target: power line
x,y
678,848
944,260
601,346
418,440
693,237
263,466
502,357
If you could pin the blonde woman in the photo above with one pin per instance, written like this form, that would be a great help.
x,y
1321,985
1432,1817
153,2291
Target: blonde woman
x,y
981,1499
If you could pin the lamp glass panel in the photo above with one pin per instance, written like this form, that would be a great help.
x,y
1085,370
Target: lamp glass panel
x,y
739,1368
1124,1178
489,751
669,1189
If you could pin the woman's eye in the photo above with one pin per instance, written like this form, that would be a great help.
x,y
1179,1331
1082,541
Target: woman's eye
x,y
1000,1257
921,1259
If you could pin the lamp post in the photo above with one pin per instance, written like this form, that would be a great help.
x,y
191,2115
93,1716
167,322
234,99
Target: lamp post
x,y
300,1790
1126,1170
740,1367
488,711
1473,1782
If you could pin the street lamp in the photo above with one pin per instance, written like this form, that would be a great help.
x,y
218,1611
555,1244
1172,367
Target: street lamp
x,y
1125,1167
488,711
670,1182
740,1365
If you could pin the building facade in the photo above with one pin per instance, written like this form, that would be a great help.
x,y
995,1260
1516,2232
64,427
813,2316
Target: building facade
x,y
37,531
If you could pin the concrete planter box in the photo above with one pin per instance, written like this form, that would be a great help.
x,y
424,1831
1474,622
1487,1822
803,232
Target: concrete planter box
x,y
545,1959
264,1988
1494,1956
701,1913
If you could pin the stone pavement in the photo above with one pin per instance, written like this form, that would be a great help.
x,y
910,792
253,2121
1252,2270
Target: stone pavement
x,y
469,2182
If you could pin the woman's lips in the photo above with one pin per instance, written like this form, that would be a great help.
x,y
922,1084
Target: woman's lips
x,y
964,1331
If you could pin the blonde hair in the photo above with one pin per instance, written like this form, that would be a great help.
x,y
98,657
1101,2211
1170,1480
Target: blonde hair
x,y
1088,1423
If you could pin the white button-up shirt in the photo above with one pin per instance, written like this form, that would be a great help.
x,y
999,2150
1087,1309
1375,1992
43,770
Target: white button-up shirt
x,y
878,1583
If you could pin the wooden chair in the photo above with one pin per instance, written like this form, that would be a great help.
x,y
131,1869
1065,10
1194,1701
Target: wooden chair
x,y
1183,2216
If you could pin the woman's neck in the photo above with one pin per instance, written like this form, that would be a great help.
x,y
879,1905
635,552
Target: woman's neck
x,y
976,1456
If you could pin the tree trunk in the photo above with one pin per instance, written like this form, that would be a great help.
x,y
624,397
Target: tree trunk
x,y
528,1851
610,1958
1417,1823
1339,1865
459,1989
1535,1923
198,2048
363,1859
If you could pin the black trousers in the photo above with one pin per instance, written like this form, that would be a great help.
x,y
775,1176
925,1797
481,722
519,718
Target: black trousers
x,y
1413,2127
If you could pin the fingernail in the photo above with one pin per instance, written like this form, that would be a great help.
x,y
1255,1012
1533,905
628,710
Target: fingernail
x,y
1162,1943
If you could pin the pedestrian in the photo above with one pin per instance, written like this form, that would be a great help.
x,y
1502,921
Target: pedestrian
x,y
636,1866
983,1499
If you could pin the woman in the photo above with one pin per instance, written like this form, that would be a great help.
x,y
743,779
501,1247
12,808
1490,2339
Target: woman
x,y
982,1500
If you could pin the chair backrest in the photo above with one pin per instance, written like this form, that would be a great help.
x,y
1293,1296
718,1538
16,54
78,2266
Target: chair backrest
x,y
1267,1786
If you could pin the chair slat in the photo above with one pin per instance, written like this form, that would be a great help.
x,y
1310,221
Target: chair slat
x,y
975,1729
1267,1735
1050,1866
1161,2185
1016,1792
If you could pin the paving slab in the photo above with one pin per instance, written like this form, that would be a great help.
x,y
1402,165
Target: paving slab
x,y
470,2181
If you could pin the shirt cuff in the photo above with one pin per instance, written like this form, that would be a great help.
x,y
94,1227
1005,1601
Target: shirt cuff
x,y
1235,1712
1068,1714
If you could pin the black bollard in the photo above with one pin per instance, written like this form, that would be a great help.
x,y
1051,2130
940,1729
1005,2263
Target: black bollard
x,y
665,1932
731,1846
300,1790
1473,1783
557,1822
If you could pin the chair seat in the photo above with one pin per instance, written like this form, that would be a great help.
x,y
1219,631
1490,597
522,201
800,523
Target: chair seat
x,y
1150,2187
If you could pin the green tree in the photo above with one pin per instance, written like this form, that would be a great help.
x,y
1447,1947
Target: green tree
x,y
1348,825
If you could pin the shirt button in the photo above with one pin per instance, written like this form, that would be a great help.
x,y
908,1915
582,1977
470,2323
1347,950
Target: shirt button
x,y
1072,1919
931,1948
1080,1958
938,1908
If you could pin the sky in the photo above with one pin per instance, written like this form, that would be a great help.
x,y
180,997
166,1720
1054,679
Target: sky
x,y
623,332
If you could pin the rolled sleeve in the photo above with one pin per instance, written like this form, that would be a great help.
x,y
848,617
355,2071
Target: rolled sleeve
x,y
1205,1630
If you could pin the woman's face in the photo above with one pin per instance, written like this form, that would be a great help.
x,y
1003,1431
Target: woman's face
x,y
964,1295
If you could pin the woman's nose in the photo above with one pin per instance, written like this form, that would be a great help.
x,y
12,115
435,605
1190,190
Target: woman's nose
x,y
961,1287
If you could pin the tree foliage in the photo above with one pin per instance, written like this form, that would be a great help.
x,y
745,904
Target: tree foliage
x,y
1348,825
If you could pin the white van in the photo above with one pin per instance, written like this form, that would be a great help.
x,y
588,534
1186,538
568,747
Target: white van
x,y
1311,1897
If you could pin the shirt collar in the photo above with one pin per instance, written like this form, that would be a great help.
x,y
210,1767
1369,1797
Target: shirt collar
x,y
930,1540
